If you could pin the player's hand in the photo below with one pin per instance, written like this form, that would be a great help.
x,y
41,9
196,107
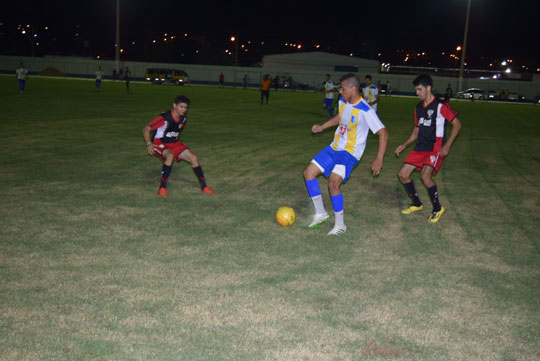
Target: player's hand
x,y
399,150
376,167
150,148
445,149
317,128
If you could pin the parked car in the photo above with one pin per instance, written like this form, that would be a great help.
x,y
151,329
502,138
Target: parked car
x,y
492,95
515,97
472,93
160,76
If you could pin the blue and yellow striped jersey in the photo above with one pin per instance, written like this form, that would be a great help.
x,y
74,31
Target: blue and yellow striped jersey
x,y
355,122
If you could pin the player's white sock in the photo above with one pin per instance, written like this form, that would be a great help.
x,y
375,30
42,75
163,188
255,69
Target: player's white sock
x,y
339,218
318,204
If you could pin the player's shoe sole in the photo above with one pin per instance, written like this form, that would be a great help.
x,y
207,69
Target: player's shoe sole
x,y
319,219
208,190
337,230
411,209
435,216
162,192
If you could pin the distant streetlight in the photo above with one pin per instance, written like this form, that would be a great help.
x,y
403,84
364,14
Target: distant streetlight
x,y
460,78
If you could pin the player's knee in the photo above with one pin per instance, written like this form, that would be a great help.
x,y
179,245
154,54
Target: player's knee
x,y
333,185
308,175
169,156
426,178
402,176
194,160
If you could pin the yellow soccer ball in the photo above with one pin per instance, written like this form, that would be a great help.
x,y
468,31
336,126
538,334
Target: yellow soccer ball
x,y
285,216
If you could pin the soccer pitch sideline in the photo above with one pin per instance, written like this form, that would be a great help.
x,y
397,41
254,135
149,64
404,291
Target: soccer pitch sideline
x,y
95,266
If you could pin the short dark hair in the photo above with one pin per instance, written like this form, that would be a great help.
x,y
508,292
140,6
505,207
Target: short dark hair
x,y
424,80
181,99
328,75
352,80
368,77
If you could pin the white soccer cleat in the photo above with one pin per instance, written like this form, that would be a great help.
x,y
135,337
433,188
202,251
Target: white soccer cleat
x,y
337,230
318,219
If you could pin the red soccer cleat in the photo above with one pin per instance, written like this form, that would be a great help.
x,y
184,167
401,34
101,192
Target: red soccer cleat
x,y
208,190
162,192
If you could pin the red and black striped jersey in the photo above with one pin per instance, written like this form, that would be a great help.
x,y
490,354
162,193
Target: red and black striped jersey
x,y
431,122
166,128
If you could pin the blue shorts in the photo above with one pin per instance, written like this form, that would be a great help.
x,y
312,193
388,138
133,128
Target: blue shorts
x,y
328,103
335,161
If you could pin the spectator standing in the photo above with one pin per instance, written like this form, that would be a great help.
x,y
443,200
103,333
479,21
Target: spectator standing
x,y
221,80
127,77
265,88
22,74
99,76
449,93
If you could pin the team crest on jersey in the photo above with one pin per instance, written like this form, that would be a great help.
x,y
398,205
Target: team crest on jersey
x,y
430,112
353,119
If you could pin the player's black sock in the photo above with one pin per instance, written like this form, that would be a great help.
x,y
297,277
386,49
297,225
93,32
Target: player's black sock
x,y
165,173
434,196
411,191
200,176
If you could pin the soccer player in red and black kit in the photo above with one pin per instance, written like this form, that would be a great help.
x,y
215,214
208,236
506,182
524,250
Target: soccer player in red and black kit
x,y
430,118
161,137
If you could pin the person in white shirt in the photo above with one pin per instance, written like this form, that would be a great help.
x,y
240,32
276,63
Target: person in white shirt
x,y
22,73
99,77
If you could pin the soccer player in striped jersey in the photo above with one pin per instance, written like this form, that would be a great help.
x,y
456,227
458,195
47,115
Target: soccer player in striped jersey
x,y
355,119
161,137
370,93
328,102
432,146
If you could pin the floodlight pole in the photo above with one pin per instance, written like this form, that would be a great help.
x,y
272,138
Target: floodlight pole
x,y
236,51
117,50
460,78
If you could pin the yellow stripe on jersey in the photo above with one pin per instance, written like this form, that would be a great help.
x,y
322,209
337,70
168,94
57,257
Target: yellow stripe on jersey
x,y
355,122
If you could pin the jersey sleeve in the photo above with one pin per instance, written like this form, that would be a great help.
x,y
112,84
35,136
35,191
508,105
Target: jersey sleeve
x,y
157,123
415,118
373,121
448,113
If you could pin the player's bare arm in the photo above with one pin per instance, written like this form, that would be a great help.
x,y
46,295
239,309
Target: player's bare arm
x,y
317,128
149,145
456,128
377,164
412,138
376,99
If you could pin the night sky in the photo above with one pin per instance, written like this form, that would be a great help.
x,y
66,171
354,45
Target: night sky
x,y
498,29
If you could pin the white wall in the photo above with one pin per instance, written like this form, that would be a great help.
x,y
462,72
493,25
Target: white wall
x,y
208,74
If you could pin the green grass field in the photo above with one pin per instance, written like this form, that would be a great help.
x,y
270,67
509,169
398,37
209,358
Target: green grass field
x,y
95,266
